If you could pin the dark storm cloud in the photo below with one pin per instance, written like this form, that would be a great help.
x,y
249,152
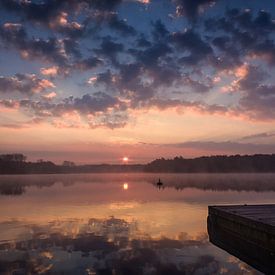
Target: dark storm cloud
x,y
244,34
105,78
63,52
151,55
192,8
142,42
258,98
104,4
197,86
13,34
158,67
191,43
88,63
229,55
57,15
109,49
155,67
138,81
120,26
51,50
98,102
24,83
127,82
47,10
99,20
159,31
42,11
261,24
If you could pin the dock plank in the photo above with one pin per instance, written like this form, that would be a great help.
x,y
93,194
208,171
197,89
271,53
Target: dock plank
x,y
245,231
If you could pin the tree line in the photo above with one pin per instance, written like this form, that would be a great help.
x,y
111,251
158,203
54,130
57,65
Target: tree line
x,y
260,163
214,164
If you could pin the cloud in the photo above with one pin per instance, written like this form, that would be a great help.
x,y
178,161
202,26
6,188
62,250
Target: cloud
x,y
63,53
164,66
25,84
226,147
97,110
87,64
258,99
50,71
44,12
263,135
197,86
120,26
110,49
192,43
56,51
151,55
9,103
98,102
104,4
61,24
191,9
244,34
57,15
142,42
110,120
159,31
100,20
50,95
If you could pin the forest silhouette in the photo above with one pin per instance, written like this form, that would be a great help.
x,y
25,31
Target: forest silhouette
x,y
260,163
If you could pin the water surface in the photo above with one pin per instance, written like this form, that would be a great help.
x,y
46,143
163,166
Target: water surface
x,y
120,223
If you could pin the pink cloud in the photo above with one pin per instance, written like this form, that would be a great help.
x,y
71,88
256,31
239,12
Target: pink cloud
x,y
50,95
51,71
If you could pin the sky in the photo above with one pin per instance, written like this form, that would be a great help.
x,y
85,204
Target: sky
x,y
93,81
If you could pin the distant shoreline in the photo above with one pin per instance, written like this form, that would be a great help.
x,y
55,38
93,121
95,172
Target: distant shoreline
x,y
16,164
157,173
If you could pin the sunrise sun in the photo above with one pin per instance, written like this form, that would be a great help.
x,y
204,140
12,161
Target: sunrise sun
x,y
125,159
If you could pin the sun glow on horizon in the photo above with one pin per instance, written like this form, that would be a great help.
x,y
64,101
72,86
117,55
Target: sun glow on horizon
x,y
125,159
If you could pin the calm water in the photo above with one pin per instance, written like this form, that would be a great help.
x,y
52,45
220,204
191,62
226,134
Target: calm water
x,y
119,224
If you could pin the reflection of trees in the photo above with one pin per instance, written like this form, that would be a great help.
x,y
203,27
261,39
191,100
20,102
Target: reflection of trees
x,y
17,185
220,182
12,189
109,246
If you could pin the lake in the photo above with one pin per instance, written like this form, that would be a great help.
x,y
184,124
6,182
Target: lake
x,y
120,223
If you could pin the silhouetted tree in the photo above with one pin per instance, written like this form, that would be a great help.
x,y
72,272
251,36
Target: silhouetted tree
x,y
13,157
68,163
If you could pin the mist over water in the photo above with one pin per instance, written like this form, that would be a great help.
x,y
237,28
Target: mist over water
x,y
120,223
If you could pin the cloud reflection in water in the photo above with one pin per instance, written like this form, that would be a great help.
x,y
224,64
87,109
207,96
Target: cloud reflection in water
x,y
89,224
112,246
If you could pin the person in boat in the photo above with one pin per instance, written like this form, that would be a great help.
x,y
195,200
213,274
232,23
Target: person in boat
x,y
159,183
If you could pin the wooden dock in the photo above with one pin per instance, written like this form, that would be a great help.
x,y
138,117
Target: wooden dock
x,y
245,231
